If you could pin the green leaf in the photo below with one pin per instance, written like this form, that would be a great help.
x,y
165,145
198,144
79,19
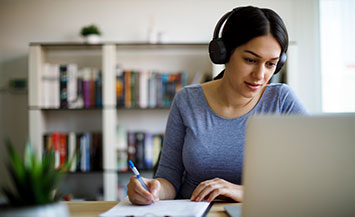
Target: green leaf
x,y
29,155
15,160
34,180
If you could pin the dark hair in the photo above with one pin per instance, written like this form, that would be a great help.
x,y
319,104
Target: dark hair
x,y
246,23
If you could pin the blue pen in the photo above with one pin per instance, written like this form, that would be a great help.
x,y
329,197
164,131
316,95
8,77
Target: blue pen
x,y
135,171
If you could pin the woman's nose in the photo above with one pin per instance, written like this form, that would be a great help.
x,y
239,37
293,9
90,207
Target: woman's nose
x,y
259,72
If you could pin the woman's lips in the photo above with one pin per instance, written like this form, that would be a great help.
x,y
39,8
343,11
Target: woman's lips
x,y
253,86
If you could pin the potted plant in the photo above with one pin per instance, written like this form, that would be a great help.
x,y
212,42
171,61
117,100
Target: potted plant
x,y
35,183
91,33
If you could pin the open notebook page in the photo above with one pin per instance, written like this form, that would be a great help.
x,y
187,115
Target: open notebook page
x,y
159,208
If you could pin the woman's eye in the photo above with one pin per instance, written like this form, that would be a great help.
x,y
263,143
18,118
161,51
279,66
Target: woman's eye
x,y
271,64
248,60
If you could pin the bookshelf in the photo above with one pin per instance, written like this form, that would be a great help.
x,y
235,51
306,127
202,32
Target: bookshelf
x,y
167,58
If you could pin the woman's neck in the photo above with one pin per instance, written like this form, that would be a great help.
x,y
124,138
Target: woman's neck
x,y
230,98
227,103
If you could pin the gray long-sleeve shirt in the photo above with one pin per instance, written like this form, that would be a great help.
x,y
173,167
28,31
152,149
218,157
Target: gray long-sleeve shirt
x,y
200,145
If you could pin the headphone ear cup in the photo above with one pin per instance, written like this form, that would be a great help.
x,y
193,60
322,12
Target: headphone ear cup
x,y
218,51
281,62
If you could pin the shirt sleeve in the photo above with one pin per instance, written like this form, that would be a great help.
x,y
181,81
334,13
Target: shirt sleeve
x,y
170,165
289,102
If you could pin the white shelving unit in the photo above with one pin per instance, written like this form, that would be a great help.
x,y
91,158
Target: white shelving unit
x,y
189,57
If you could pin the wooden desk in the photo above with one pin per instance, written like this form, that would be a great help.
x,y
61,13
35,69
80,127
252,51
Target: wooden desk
x,y
94,208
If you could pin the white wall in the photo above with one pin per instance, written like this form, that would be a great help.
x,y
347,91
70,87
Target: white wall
x,y
25,21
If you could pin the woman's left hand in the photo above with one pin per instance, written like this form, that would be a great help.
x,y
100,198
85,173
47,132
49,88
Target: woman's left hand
x,y
210,189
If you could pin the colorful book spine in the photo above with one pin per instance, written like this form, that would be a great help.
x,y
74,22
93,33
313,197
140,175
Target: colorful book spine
x,y
93,75
131,146
63,73
83,150
120,88
127,89
86,84
143,148
72,86
98,90
139,142
55,142
145,88
62,149
133,89
72,151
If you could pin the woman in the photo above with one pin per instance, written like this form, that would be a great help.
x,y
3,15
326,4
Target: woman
x,y
202,155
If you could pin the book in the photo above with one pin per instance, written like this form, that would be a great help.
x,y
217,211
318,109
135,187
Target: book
x,y
127,89
62,149
56,146
131,146
120,88
180,208
139,142
98,90
72,151
78,102
152,91
96,152
143,89
133,88
63,86
86,85
93,75
72,84
85,152
50,86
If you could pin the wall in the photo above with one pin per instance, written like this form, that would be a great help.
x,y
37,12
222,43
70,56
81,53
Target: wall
x,y
25,21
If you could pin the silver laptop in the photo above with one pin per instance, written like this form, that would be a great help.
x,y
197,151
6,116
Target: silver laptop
x,y
299,166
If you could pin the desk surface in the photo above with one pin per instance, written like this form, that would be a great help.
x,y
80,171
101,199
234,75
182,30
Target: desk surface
x,y
94,208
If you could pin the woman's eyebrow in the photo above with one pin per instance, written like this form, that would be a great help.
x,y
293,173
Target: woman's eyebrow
x,y
251,52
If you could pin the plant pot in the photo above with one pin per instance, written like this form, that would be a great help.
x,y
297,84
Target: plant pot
x,y
52,210
92,39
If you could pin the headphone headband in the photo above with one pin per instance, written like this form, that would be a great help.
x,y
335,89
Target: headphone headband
x,y
220,23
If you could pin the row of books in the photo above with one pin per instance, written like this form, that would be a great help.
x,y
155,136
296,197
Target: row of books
x,y
84,149
67,86
147,89
142,148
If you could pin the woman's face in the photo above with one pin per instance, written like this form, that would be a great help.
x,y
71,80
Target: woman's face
x,y
252,64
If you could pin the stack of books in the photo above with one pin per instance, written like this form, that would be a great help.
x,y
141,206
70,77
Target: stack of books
x,y
147,89
84,149
67,86
142,148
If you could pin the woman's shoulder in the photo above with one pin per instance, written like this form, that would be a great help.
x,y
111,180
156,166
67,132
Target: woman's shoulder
x,y
278,88
189,90
189,98
275,92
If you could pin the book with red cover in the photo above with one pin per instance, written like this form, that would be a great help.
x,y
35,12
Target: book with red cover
x,y
62,149
55,142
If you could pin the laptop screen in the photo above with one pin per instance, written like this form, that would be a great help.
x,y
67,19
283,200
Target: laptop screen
x,y
299,166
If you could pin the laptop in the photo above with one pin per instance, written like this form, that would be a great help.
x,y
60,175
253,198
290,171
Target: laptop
x,y
299,166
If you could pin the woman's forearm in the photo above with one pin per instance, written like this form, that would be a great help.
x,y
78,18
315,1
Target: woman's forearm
x,y
167,190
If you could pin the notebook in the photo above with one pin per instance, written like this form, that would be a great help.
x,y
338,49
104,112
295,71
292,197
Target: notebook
x,y
161,208
299,166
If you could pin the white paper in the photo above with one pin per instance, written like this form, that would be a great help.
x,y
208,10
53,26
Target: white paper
x,y
160,208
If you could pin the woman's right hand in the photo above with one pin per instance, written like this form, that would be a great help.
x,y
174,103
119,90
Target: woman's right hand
x,y
138,195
